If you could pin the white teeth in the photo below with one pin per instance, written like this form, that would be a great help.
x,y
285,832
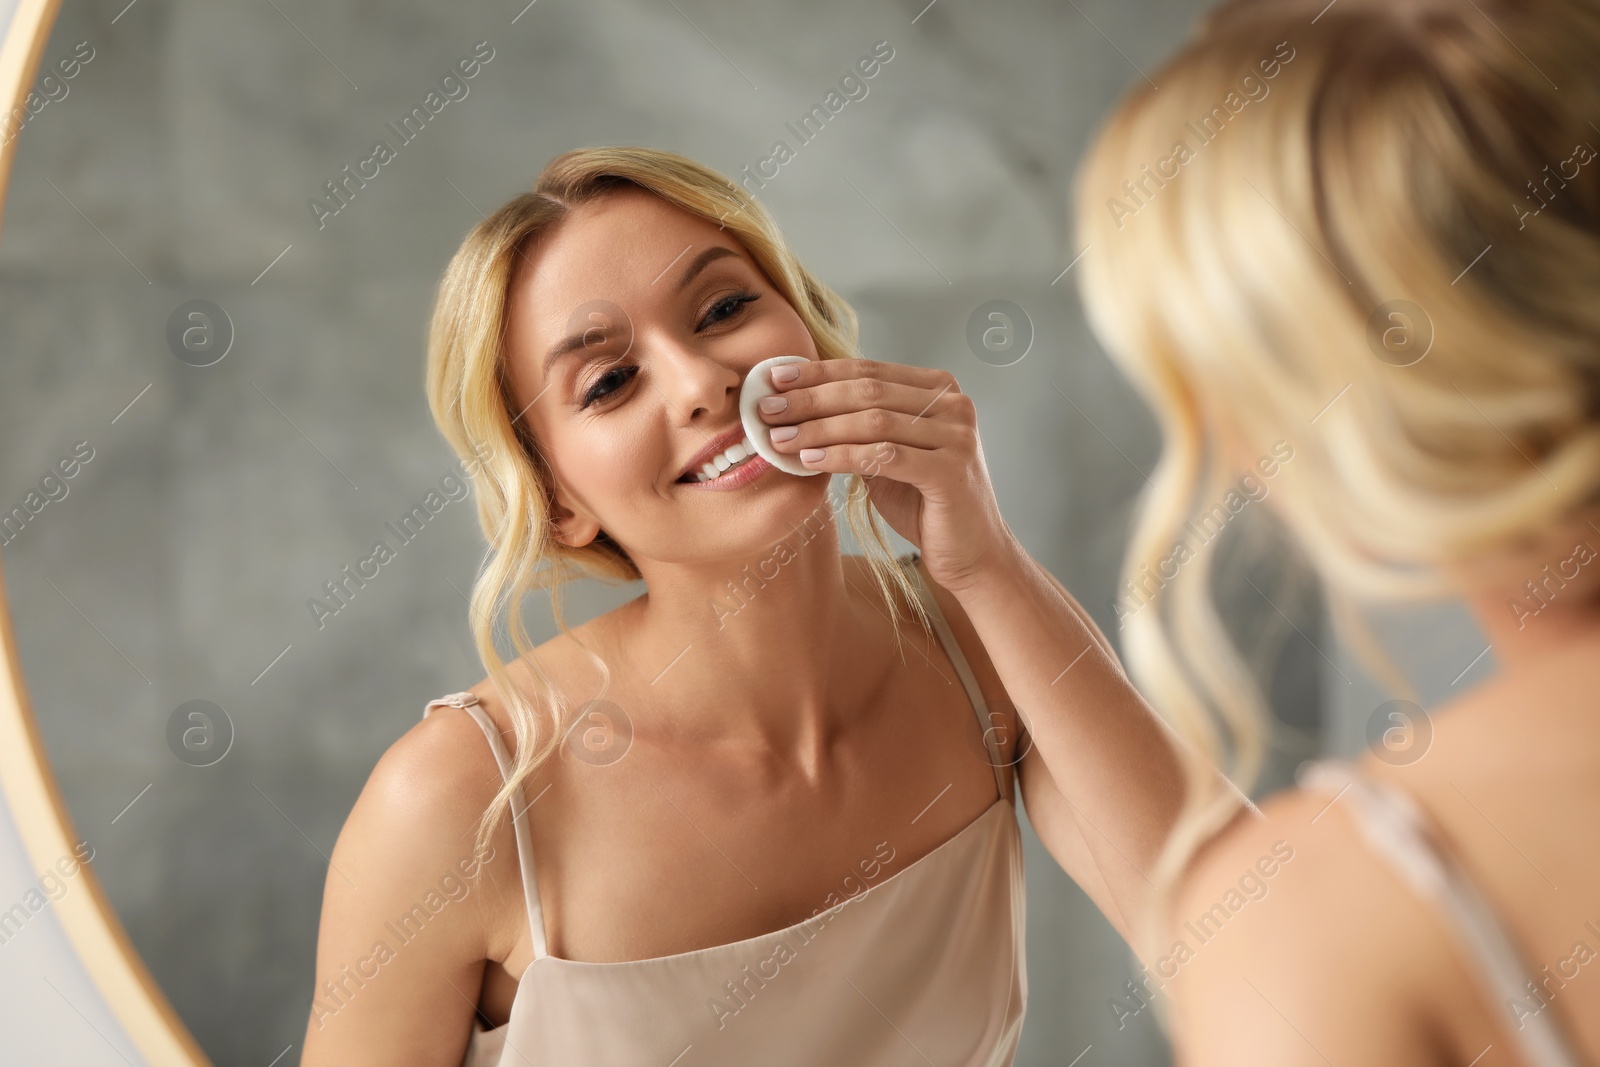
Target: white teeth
x,y
726,460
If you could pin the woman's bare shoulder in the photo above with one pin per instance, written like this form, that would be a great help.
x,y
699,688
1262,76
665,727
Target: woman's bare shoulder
x,y
420,802
403,861
1287,929
419,809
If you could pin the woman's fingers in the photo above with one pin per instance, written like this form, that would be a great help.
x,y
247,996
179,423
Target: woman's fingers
x,y
864,417
874,425
901,463
851,393
817,371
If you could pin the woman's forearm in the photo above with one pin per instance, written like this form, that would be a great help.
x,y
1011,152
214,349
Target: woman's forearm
x,y
1108,752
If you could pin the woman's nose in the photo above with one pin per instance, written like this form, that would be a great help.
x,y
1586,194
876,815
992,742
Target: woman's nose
x,y
696,384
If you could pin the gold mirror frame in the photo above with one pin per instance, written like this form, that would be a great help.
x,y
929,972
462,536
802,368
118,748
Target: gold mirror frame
x,y
26,781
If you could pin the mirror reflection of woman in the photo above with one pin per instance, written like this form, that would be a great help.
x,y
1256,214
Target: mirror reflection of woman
x,y
1387,257
764,813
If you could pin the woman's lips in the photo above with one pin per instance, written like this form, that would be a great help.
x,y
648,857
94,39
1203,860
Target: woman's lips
x,y
714,447
734,477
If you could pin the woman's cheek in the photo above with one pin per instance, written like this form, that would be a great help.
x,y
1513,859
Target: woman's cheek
x,y
618,462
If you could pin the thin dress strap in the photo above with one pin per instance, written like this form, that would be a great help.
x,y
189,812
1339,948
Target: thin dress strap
x,y
519,812
1400,831
952,648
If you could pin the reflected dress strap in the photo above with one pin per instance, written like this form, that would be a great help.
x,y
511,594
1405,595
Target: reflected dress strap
x,y
467,702
1401,832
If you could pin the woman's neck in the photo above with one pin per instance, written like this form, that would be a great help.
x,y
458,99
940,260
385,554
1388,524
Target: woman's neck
x,y
1542,602
776,651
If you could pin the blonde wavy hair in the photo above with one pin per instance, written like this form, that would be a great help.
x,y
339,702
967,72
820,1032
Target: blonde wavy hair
x,y
471,401
1365,152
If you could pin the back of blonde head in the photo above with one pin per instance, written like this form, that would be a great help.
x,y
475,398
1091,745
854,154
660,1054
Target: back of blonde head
x,y
470,399
1374,181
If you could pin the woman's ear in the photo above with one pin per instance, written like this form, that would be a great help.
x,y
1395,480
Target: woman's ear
x,y
569,526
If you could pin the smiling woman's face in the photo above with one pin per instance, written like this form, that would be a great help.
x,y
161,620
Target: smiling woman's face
x,y
631,327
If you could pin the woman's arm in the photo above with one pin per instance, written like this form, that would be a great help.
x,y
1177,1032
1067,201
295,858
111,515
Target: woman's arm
x,y
404,931
1107,757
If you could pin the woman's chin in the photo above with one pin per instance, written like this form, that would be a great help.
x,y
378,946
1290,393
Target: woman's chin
x,y
780,506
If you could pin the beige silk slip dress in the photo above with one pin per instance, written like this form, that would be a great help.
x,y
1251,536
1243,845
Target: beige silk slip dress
x,y
925,966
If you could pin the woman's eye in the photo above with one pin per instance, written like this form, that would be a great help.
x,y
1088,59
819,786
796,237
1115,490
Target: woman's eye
x,y
726,308
608,383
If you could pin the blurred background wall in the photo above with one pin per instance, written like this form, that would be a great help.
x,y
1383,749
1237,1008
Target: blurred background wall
x,y
179,165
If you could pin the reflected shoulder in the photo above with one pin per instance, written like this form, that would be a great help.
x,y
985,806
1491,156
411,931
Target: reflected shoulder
x,y
1274,919
422,800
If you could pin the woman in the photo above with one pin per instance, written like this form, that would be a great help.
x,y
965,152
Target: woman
x,y
1379,255
748,825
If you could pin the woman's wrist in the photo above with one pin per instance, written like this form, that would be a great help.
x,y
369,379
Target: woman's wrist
x,y
1004,573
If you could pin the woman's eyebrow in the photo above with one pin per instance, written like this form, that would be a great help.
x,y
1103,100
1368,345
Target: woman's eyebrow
x,y
566,347
699,263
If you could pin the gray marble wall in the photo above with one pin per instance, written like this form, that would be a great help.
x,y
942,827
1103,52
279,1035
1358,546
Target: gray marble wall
x,y
178,167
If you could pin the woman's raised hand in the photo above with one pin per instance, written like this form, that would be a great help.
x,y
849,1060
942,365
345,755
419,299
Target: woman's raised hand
x,y
912,434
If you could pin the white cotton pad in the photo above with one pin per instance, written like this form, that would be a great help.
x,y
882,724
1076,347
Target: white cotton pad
x,y
757,384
